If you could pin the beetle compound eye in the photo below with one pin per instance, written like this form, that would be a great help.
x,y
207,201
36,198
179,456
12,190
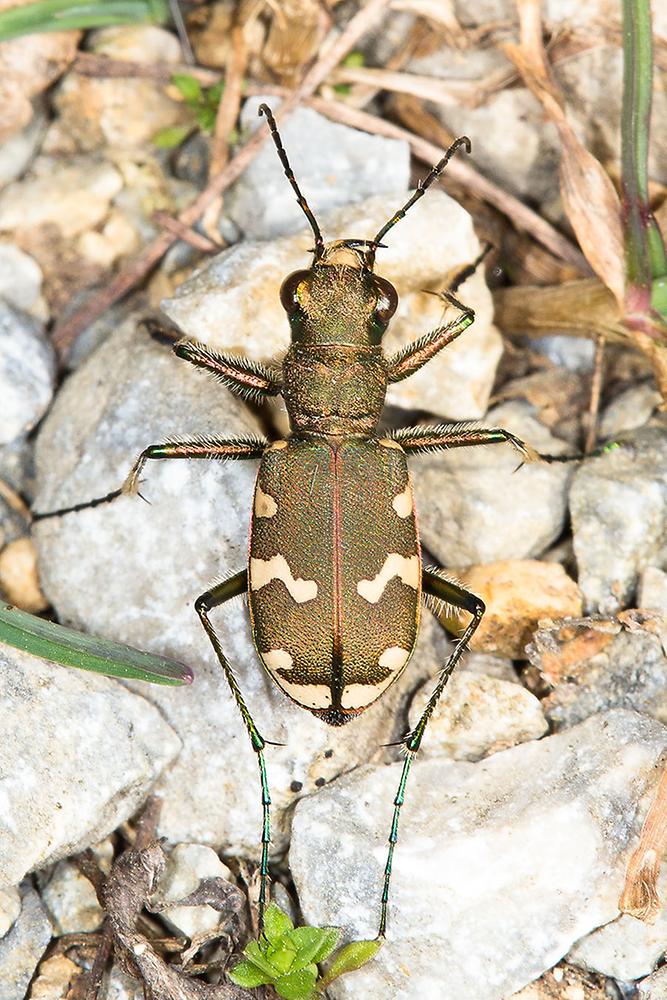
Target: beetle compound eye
x,y
289,290
387,301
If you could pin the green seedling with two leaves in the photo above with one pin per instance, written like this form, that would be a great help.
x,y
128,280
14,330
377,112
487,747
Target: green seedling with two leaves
x,y
286,957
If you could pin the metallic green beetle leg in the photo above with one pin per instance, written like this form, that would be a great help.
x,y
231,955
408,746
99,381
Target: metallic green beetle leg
x,y
449,593
247,378
203,447
441,437
211,448
213,598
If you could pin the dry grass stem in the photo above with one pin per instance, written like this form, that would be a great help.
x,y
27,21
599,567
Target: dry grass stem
x,y
583,308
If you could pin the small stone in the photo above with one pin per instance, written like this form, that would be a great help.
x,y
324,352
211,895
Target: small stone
x,y
517,595
601,671
475,507
75,197
56,978
19,581
27,373
20,278
28,65
335,165
127,112
71,901
478,716
629,410
652,591
488,664
187,865
626,948
79,753
513,858
10,907
123,987
576,354
619,516
232,303
24,945
655,987
18,150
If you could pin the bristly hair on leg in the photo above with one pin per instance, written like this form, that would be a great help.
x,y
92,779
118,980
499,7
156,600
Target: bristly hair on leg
x,y
436,605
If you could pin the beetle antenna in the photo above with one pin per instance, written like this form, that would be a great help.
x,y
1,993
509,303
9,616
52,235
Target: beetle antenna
x,y
265,110
421,188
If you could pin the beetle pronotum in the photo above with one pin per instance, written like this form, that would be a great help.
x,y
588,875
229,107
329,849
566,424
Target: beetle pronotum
x,y
335,576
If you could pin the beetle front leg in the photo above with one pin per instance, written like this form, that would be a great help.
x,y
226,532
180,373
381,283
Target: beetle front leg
x,y
246,378
411,358
213,598
453,594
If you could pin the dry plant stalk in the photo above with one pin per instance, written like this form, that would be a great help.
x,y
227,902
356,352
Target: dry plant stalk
x,y
640,893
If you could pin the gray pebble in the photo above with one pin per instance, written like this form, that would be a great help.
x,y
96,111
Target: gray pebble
x,y
27,373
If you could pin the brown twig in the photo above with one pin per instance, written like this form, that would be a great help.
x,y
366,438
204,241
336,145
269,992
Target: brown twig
x,y
186,233
596,391
519,214
93,64
137,269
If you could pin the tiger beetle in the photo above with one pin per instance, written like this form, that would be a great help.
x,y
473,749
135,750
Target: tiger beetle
x,y
335,576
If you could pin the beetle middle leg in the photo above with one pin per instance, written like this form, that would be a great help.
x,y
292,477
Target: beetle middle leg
x,y
452,594
436,437
213,598
210,448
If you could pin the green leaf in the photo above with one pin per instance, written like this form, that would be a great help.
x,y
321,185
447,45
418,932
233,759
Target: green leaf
x,y
249,975
64,15
281,955
350,958
313,944
188,87
171,136
297,985
214,93
254,952
659,296
276,923
354,59
205,118
86,652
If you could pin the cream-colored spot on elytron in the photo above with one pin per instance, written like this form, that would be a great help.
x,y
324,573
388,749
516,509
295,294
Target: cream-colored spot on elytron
x,y
390,443
402,503
394,658
263,571
277,446
360,695
394,565
265,505
277,659
308,695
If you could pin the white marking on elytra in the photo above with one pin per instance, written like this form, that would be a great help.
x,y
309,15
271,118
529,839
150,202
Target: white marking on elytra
x,y
390,443
394,565
402,502
308,695
360,695
265,505
263,571
394,658
277,659
277,446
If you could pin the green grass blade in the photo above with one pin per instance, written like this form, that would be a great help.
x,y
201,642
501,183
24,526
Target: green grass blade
x,y
62,15
86,652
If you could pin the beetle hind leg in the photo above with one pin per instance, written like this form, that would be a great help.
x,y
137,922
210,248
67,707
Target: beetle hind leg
x,y
452,594
223,592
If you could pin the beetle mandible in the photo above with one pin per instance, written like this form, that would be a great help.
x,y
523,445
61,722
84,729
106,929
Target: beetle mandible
x,y
335,576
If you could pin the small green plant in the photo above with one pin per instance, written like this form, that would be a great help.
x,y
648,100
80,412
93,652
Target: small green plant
x,y
354,60
286,957
202,102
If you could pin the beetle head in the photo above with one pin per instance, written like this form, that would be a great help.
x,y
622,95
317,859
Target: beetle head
x,y
339,299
